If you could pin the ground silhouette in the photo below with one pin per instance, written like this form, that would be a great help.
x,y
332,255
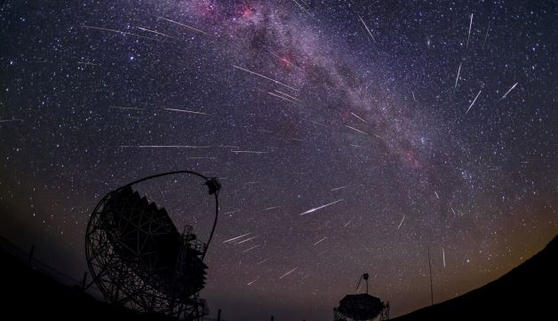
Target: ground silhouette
x,y
28,294
528,292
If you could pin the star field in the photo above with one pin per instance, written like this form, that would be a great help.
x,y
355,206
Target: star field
x,y
350,137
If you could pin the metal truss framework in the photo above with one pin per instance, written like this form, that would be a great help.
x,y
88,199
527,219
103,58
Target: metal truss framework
x,y
128,281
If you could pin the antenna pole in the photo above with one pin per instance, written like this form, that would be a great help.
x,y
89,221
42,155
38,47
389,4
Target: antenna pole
x,y
358,285
365,277
430,269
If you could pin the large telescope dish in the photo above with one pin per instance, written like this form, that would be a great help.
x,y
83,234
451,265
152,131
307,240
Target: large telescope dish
x,y
139,259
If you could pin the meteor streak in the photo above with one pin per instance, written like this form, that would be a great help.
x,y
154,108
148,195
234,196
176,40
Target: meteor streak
x,y
265,77
246,240
125,108
119,32
321,207
320,241
362,132
155,32
304,9
271,208
281,97
474,100
237,237
291,271
356,130
250,249
186,111
9,120
338,188
87,63
486,36
247,152
512,87
367,29
401,223
349,222
166,146
231,212
359,118
263,261
470,27
457,77
183,25
287,95
252,282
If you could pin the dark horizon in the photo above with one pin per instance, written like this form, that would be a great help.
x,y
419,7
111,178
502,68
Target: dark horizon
x,y
30,281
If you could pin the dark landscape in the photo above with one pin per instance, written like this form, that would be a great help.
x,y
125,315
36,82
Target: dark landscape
x,y
528,292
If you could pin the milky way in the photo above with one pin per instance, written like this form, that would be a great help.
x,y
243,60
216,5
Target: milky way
x,y
350,137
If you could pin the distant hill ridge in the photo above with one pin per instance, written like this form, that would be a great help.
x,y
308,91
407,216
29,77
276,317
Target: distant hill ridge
x,y
28,294
528,292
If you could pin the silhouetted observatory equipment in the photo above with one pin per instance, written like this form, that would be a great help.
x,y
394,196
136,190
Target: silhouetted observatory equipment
x,y
139,259
361,306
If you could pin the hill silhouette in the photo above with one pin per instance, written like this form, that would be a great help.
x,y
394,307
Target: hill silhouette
x,y
29,294
528,292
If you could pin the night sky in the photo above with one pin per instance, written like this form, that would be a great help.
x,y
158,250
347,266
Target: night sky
x,y
349,136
